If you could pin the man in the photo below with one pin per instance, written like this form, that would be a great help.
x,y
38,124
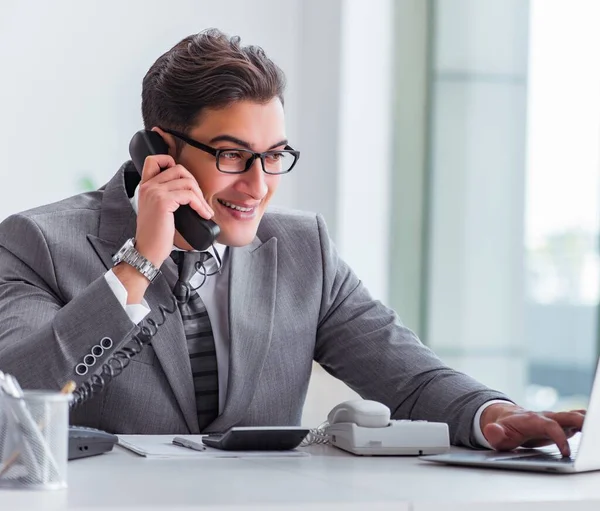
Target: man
x,y
262,303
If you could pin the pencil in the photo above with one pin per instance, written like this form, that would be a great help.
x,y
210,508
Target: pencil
x,y
68,388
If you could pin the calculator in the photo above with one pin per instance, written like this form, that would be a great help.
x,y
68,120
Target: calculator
x,y
259,438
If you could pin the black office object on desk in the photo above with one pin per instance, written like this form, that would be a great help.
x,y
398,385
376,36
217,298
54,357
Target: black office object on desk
x,y
259,438
84,442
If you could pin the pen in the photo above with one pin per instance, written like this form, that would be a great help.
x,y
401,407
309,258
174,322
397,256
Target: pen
x,y
190,444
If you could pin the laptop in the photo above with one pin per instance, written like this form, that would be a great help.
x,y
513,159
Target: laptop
x,y
585,449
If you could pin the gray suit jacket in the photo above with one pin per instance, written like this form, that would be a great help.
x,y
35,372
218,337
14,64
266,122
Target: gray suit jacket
x,y
291,300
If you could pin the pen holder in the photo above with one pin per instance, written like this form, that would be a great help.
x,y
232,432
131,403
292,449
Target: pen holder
x,y
34,440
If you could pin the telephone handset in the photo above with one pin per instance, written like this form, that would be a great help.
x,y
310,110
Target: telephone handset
x,y
197,231
362,412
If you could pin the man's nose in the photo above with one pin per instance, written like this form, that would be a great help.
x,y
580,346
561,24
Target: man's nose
x,y
255,180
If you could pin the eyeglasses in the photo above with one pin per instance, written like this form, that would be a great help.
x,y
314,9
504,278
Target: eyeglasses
x,y
238,161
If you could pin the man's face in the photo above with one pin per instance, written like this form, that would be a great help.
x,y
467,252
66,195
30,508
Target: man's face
x,y
242,125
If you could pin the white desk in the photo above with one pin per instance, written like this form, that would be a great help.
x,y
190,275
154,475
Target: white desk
x,y
329,479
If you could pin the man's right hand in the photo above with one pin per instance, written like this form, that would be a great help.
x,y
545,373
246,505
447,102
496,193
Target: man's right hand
x,y
160,194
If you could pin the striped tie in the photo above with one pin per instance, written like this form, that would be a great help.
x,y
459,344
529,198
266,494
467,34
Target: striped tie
x,y
199,336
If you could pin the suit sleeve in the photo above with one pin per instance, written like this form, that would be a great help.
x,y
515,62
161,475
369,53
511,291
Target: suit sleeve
x,y
362,342
42,336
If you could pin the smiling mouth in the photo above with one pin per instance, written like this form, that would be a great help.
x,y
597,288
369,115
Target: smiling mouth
x,y
235,207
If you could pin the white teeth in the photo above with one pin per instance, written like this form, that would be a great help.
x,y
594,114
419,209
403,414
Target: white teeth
x,y
233,206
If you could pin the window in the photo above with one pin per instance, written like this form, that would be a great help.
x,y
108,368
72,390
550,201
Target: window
x,y
561,236
514,150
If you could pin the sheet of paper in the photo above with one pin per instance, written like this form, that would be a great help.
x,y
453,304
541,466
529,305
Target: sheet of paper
x,y
161,446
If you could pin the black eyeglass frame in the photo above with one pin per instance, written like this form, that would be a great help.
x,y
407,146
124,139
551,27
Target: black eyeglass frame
x,y
217,153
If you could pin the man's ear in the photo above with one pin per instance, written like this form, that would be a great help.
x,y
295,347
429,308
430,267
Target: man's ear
x,y
170,140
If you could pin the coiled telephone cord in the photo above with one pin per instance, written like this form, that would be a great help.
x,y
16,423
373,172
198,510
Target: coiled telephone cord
x,y
316,436
120,359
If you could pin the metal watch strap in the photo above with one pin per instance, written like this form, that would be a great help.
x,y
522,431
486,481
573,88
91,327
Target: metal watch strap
x,y
128,254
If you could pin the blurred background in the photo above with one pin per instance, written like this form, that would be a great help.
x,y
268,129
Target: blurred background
x,y
452,145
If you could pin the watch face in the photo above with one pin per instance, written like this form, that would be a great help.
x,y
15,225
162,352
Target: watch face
x,y
118,257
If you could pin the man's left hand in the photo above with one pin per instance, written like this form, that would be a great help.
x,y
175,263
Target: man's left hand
x,y
507,426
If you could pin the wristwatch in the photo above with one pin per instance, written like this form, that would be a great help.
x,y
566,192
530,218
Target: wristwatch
x,y
128,254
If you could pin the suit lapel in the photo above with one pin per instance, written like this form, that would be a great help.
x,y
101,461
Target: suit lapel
x,y
252,289
104,249
117,224
117,219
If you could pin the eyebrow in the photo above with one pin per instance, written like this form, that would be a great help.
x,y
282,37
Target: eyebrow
x,y
240,142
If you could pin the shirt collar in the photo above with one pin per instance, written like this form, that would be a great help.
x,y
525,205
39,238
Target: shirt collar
x,y
217,248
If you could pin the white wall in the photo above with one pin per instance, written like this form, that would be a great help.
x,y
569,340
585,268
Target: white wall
x,y
365,150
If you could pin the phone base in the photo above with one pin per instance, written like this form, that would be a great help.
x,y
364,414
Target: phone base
x,y
399,438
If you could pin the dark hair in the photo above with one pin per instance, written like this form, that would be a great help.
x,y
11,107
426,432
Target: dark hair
x,y
206,70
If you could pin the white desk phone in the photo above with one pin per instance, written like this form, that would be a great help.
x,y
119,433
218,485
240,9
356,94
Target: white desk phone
x,y
364,427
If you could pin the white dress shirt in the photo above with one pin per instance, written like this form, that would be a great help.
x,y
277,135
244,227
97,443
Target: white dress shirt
x,y
215,296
